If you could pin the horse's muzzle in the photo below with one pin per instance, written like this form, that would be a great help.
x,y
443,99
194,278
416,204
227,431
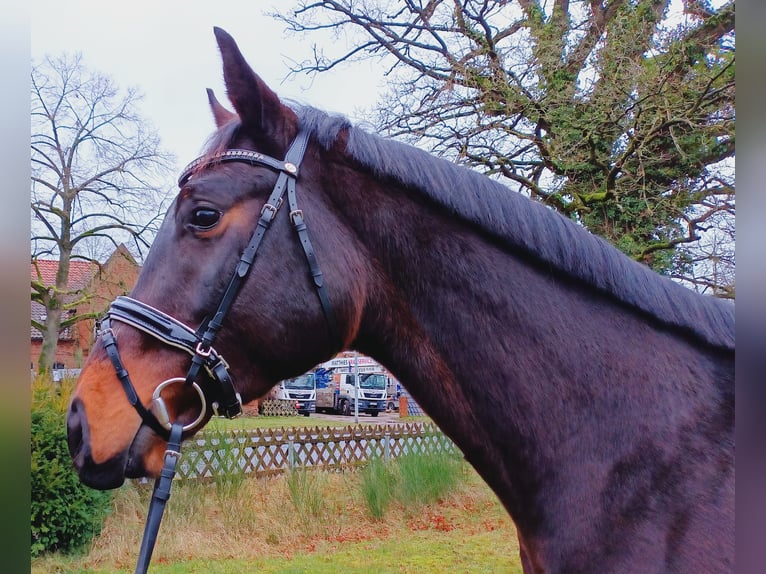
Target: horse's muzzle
x,y
102,476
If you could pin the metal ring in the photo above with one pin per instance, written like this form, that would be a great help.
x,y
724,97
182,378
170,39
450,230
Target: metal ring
x,y
160,411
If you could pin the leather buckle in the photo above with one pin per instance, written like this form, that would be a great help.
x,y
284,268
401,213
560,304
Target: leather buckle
x,y
296,213
105,332
273,209
202,351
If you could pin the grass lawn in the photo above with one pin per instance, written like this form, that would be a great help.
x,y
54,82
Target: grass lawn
x,y
436,552
307,522
422,552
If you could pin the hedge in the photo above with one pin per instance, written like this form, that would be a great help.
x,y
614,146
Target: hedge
x,y
65,514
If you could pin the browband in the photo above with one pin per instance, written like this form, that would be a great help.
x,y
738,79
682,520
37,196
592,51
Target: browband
x,y
251,157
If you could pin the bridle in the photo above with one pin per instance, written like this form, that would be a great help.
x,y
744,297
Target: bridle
x,y
221,395
219,392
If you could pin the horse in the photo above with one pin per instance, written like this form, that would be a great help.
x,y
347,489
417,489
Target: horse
x,y
594,396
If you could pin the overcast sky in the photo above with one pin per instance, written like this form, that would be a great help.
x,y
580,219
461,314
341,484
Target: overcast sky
x,y
166,48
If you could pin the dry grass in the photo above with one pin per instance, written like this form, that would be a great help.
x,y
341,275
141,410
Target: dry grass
x,y
258,521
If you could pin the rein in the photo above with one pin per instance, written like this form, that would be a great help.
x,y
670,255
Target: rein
x,y
222,397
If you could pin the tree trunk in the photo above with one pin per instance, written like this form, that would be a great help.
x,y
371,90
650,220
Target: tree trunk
x,y
50,337
54,310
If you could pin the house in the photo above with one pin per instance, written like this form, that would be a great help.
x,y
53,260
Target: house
x,y
102,283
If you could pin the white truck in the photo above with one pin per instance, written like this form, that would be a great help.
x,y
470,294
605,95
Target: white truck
x,y
340,395
301,390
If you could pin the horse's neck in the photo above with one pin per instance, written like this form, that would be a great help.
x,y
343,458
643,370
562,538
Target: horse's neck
x,y
530,374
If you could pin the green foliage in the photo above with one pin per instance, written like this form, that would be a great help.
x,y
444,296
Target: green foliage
x,y
228,481
377,486
427,478
305,490
65,514
414,479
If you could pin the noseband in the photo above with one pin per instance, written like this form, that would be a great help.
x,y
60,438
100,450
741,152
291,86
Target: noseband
x,y
221,395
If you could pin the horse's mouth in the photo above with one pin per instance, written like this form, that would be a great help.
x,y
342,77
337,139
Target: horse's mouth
x,y
101,476
111,473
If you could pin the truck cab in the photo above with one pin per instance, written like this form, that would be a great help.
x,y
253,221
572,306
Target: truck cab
x,y
301,390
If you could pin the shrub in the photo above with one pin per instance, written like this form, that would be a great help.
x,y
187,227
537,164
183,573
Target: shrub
x,y
65,514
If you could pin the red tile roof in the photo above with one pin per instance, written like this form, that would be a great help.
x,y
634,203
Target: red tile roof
x,y
80,273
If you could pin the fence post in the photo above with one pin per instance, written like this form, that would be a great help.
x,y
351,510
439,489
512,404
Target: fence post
x,y
387,447
290,454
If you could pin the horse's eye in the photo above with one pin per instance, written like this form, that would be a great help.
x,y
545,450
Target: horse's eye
x,y
205,218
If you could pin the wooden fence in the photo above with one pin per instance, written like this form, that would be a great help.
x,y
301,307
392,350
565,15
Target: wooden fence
x,y
265,452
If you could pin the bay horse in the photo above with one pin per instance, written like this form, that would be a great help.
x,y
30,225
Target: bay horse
x,y
595,397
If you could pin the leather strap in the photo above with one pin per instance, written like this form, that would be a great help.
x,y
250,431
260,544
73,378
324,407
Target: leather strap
x,y
160,496
241,155
174,333
296,216
110,346
208,331
199,344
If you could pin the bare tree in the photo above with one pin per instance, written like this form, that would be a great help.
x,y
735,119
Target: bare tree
x,y
611,112
96,173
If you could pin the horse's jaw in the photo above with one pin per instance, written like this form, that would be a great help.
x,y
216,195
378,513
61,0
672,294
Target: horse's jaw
x,y
142,458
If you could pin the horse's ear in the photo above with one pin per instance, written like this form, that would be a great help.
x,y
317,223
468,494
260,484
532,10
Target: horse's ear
x,y
257,105
222,115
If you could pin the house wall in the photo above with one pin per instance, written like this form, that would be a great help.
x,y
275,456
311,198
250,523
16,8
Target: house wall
x,y
115,277
67,352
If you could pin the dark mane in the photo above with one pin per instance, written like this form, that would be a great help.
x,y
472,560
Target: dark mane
x,y
529,226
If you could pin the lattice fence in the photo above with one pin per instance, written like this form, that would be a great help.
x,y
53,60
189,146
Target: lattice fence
x,y
264,452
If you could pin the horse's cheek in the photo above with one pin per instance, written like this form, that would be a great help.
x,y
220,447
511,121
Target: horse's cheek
x,y
111,421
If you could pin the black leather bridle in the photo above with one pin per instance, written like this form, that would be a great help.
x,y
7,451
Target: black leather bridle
x,y
225,401
221,395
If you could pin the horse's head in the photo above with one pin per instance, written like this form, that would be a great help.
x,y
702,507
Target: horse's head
x,y
277,322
